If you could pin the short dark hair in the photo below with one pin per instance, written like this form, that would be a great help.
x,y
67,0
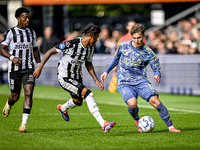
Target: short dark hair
x,y
137,28
91,30
21,10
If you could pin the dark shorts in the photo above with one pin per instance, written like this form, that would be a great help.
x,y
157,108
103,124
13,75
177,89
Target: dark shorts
x,y
17,78
74,87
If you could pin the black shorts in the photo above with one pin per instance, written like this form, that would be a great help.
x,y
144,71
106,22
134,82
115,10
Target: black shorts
x,y
17,78
74,87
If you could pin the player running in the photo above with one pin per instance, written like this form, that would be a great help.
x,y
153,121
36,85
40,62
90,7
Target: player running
x,y
132,58
18,44
74,53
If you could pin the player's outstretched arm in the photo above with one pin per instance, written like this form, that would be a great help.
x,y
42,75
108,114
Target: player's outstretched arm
x,y
90,69
47,55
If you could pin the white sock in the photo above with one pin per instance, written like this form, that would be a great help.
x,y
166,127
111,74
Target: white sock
x,y
25,118
68,105
93,108
8,105
170,127
99,118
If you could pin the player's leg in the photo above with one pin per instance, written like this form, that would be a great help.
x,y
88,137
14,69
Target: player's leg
x,y
28,84
163,112
148,93
70,104
94,110
78,91
130,97
15,87
74,87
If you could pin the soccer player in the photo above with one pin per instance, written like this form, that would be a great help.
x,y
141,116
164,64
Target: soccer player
x,y
132,58
17,45
74,53
113,86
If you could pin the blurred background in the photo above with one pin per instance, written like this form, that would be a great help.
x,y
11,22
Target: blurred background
x,y
173,32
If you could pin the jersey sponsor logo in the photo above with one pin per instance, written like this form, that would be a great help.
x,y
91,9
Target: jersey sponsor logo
x,y
67,44
21,46
31,78
75,62
62,46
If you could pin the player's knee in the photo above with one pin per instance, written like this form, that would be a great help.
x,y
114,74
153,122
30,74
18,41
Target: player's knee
x,y
132,105
28,93
78,102
154,101
15,97
88,93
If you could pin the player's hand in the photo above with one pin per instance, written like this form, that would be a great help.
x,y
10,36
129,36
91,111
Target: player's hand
x,y
104,76
100,85
37,72
17,61
157,78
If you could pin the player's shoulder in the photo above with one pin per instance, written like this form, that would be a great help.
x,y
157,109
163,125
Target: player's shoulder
x,y
125,42
150,51
72,42
148,48
9,30
8,33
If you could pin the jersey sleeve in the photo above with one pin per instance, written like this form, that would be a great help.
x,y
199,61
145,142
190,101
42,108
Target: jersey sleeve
x,y
155,64
7,37
63,46
114,61
90,58
34,39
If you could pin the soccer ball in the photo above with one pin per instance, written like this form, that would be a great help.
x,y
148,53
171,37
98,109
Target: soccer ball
x,y
146,124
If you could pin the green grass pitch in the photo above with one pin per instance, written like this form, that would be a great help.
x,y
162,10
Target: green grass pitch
x,y
48,131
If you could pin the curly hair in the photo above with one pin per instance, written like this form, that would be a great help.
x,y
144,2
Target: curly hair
x,y
91,30
21,10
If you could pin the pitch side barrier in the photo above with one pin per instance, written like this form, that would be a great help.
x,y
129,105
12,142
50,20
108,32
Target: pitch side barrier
x,y
180,73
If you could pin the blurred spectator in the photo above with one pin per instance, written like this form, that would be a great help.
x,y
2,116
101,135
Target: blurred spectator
x,y
171,49
39,41
111,42
70,36
48,40
161,48
187,26
186,36
196,38
127,36
103,36
151,40
195,22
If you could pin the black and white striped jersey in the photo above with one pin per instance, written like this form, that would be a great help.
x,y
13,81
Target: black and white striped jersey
x,y
72,57
20,44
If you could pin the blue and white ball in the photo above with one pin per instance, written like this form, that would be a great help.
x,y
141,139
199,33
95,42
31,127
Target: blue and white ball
x,y
146,124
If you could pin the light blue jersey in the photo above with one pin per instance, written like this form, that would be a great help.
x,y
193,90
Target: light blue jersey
x,y
132,63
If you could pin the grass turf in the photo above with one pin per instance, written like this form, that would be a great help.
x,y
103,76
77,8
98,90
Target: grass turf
x,y
48,131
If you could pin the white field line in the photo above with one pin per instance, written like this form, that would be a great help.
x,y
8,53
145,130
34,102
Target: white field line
x,y
106,103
